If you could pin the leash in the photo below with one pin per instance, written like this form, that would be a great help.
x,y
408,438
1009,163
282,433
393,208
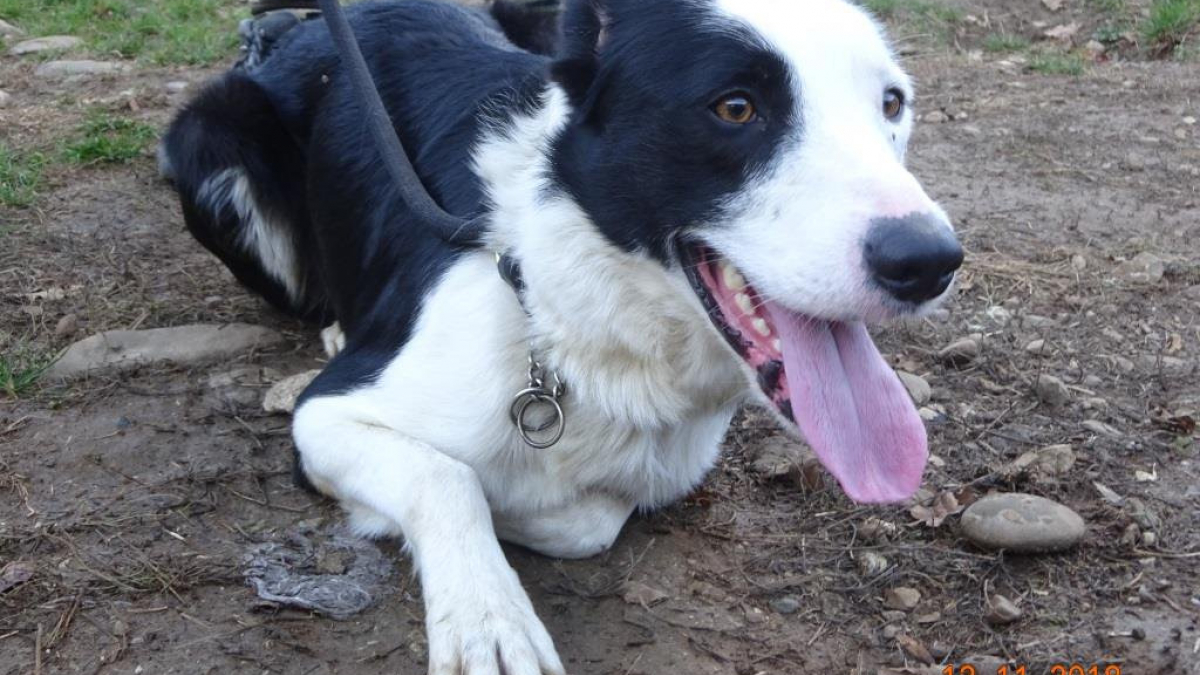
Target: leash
x,y
539,393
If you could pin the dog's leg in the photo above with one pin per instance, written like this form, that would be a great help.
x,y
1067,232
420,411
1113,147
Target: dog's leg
x,y
478,618
333,339
579,530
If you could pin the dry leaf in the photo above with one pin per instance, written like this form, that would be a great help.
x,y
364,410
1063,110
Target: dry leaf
x,y
944,506
1001,611
914,648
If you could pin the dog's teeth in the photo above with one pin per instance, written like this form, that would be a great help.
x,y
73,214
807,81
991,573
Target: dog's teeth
x,y
734,280
744,303
761,326
777,345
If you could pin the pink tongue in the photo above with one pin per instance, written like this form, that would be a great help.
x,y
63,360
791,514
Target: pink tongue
x,y
851,407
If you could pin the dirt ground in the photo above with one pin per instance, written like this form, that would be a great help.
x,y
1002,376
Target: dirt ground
x,y
128,504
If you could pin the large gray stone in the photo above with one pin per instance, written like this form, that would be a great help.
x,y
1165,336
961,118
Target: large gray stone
x,y
1022,524
45,44
184,345
78,70
7,30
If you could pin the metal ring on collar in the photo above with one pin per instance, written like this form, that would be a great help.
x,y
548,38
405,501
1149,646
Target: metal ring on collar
x,y
558,422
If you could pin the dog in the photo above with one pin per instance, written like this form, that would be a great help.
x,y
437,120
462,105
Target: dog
x,y
697,204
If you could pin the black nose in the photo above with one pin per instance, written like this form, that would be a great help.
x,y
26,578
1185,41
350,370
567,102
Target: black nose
x,y
913,258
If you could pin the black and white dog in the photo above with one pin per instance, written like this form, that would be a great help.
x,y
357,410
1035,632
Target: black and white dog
x,y
706,200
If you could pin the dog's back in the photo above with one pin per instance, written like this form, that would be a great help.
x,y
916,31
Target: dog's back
x,y
247,153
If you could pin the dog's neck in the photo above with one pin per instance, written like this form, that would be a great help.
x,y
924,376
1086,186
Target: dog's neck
x,y
625,332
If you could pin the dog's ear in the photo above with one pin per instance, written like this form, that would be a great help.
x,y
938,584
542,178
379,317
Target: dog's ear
x,y
585,25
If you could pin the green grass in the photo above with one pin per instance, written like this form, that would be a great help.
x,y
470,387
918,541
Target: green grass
x,y
19,371
108,139
190,32
20,176
1005,42
922,18
1057,64
1170,22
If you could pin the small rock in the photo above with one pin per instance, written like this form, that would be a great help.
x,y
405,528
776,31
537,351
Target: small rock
x,y
72,70
1145,268
638,593
177,86
890,631
1095,48
184,345
901,598
961,352
1170,366
1053,391
1100,429
999,315
1001,611
931,415
45,44
917,387
7,30
5,99
281,398
1037,348
936,117
1055,460
1063,32
1022,523
871,564
66,326
1079,262
1141,514
786,605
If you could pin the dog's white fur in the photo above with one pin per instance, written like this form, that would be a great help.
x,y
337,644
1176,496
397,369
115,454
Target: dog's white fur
x,y
427,450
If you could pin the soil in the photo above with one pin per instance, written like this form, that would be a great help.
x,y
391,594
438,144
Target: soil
x,y
128,504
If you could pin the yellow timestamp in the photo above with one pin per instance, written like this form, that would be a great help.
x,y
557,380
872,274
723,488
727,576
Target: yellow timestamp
x,y
1056,669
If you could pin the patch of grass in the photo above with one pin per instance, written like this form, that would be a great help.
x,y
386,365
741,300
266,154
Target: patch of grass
x,y
1170,22
20,176
20,370
921,18
1005,42
190,32
1110,7
1057,64
108,139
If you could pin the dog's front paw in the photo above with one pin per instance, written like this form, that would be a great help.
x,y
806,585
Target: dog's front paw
x,y
488,632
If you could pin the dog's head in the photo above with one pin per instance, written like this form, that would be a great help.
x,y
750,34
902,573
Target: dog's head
x,y
757,147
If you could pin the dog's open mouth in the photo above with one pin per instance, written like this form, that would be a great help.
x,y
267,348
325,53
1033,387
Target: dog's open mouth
x,y
825,376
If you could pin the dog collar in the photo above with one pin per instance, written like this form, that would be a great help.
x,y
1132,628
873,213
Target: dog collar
x,y
544,388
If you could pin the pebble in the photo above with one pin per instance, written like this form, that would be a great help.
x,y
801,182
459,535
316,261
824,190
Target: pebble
x,y
1141,514
66,326
1100,429
1022,523
1037,347
901,598
62,70
1053,391
1145,268
936,117
5,99
638,593
961,352
917,387
1169,366
45,44
282,397
177,86
1001,611
871,564
786,605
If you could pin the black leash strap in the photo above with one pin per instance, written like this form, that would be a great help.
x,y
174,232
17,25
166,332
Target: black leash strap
x,y
451,228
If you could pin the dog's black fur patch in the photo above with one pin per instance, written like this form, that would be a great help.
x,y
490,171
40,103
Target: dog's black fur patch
x,y
642,154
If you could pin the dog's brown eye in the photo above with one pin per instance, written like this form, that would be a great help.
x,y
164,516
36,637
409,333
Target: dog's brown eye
x,y
736,109
893,103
